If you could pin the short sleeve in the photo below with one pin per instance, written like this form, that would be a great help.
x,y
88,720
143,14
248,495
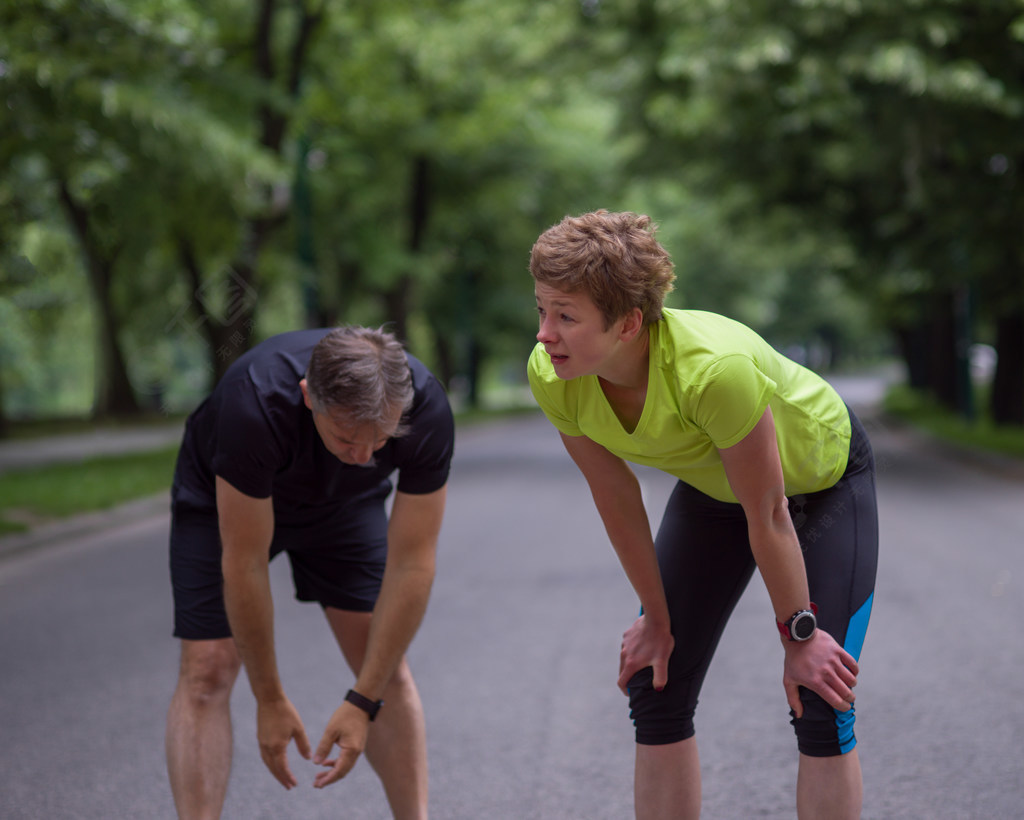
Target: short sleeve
x,y
733,395
248,453
424,454
556,397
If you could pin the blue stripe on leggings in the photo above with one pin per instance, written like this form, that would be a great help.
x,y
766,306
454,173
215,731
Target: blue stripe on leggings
x,y
855,632
858,627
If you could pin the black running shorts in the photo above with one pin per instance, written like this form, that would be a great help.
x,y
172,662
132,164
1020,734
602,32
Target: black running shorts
x,y
340,564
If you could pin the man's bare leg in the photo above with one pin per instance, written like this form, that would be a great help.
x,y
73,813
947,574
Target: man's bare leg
x,y
829,788
397,743
666,783
198,739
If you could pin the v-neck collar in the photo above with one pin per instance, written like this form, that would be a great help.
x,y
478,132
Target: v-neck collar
x,y
645,413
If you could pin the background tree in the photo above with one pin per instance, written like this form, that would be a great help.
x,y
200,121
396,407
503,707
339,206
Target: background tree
x,y
896,126
213,173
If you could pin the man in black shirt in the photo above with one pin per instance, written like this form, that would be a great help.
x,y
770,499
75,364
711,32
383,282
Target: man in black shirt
x,y
293,452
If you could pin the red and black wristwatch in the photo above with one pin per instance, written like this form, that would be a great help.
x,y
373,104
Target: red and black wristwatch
x,y
801,625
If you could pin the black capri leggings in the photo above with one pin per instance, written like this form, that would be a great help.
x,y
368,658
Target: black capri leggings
x,y
706,562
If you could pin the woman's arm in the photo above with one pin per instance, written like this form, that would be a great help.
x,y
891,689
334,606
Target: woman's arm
x,y
754,471
616,494
755,474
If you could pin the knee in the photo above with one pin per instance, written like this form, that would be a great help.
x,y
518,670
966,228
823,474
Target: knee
x,y
823,731
208,670
661,717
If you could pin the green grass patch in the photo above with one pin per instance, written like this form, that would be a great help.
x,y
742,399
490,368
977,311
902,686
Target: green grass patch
x,y
27,429
41,494
923,412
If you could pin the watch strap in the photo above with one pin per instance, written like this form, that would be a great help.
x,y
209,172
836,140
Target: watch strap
x,y
371,707
785,628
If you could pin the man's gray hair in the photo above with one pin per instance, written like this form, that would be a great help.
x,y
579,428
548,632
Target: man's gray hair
x,y
360,373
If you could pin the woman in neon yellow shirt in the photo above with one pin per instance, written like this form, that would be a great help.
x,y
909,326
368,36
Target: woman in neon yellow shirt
x,y
775,473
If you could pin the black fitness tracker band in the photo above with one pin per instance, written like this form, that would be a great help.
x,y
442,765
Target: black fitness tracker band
x,y
371,707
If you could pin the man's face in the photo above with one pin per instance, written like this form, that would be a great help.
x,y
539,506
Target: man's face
x,y
573,332
351,442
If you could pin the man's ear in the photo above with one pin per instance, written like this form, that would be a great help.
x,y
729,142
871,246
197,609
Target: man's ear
x,y
632,324
305,394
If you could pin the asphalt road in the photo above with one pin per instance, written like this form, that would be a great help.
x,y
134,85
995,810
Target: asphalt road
x,y
517,659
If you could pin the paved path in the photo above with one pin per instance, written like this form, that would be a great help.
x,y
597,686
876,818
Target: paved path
x,y
20,454
517,658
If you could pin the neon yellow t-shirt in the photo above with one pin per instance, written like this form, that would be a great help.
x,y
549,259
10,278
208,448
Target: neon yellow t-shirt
x,y
710,380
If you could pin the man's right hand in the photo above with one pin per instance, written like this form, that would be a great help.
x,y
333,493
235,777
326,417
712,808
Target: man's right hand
x,y
277,722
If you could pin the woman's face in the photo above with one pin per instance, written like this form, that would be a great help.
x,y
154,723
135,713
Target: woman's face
x,y
573,332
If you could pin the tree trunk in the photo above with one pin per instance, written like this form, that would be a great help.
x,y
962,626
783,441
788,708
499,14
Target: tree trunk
x,y
473,368
228,316
114,393
445,354
225,308
4,422
1008,383
942,351
913,346
396,304
397,299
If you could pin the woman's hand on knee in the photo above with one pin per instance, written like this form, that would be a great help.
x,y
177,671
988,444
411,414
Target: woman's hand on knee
x,y
645,644
823,666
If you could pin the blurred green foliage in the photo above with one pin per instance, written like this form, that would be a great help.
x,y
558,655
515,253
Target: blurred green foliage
x,y
181,179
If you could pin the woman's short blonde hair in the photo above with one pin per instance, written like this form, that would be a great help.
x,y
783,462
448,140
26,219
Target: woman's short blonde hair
x,y
612,257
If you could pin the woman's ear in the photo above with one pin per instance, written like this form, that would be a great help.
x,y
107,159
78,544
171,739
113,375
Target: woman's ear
x,y
632,324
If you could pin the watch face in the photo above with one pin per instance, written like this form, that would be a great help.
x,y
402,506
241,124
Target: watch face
x,y
803,626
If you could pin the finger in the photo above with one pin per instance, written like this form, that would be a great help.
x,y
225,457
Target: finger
x,y
627,670
832,694
793,697
624,679
324,748
302,742
277,761
342,766
660,675
842,682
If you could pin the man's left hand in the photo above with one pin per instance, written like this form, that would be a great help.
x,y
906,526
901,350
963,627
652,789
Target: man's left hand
x,y
346,729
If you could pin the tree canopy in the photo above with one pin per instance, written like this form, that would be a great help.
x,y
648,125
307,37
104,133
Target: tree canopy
x,y
181,179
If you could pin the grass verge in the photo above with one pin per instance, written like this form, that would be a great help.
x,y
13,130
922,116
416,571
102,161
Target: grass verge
x,y
921,411
40,494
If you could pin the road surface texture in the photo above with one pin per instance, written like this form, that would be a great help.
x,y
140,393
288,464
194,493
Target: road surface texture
x,y
517,660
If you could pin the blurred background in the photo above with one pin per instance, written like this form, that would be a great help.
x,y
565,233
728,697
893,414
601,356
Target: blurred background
x,y
182,179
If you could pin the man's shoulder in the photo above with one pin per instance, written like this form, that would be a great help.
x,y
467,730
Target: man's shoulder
x,y
287,352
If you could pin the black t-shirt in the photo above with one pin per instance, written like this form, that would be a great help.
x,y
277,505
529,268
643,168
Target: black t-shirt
x,y
255,431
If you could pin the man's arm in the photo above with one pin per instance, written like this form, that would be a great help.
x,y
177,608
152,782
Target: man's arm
x,y
413,531
246,530
755,474
617,497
